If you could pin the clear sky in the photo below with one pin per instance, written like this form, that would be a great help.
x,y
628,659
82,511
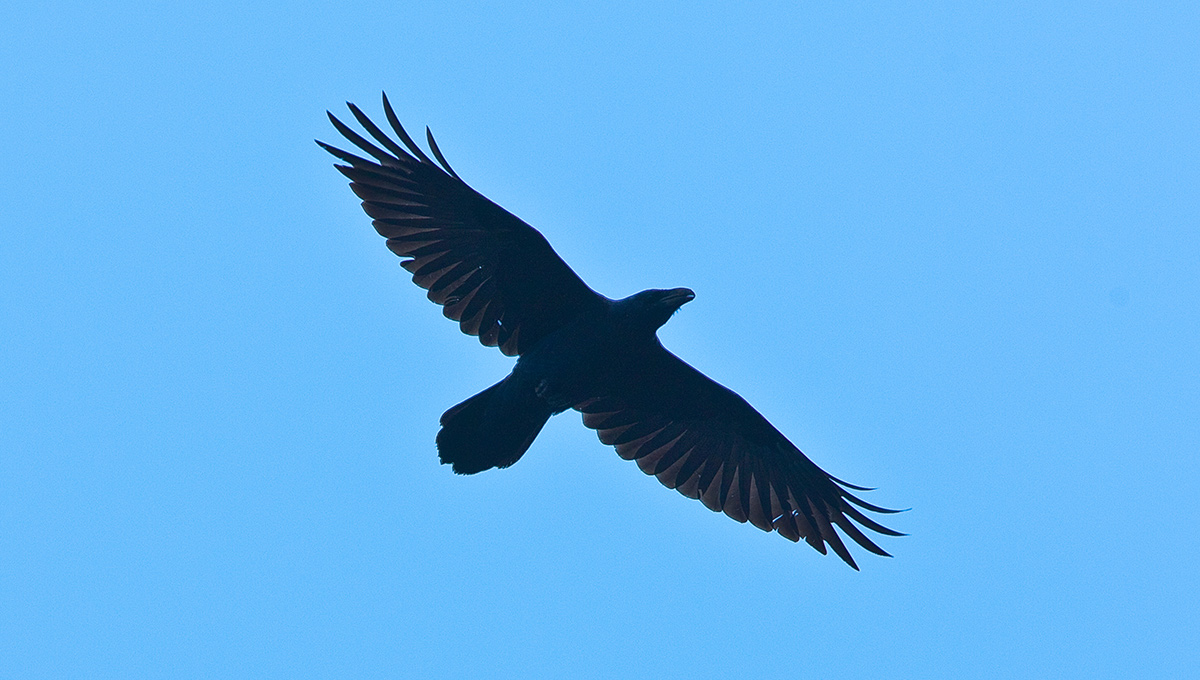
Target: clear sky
x,y
952,250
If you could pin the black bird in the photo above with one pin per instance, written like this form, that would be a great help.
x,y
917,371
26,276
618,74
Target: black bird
x,y
500,280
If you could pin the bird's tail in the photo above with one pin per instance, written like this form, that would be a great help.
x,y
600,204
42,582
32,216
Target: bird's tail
x,y
491,429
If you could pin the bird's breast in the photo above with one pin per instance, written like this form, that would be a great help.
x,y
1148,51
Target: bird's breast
x,y
573,364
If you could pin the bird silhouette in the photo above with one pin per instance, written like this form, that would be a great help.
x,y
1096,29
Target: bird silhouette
x,y
501,281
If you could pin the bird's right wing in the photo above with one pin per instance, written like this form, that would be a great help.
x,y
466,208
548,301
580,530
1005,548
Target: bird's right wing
x,y
708,443
493,273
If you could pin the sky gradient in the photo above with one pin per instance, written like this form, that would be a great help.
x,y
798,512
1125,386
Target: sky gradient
x,y
951,252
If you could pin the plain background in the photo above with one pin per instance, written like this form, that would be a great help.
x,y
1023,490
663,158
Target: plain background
x,y
950,249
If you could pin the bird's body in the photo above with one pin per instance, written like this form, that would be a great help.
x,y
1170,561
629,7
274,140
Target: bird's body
x,y
501,280
603,350
594,353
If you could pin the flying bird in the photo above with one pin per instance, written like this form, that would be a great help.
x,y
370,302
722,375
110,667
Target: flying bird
x,y
501,281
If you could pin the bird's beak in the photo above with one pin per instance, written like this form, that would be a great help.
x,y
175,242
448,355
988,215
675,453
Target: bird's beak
x,y
679,296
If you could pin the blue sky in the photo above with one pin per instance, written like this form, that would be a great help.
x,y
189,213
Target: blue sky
x,y
951,251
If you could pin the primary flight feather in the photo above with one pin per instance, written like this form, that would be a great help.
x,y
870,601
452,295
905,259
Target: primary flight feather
x,y
501,281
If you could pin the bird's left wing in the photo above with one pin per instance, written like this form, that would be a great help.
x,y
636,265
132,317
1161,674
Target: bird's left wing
x,y
493,273
708,443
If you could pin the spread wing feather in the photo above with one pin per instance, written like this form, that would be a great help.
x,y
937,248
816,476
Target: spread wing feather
x,y
490,271
708,443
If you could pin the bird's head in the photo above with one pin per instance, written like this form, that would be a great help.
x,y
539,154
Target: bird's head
x,y
650,309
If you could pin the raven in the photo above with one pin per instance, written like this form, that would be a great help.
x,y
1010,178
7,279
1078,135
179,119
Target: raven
x,y
501,281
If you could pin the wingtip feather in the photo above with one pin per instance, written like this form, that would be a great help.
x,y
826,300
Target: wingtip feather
x,y
438,154
394,121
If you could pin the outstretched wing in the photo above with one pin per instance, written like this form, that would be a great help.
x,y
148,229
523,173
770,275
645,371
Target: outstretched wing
x,y
493,273
708,443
